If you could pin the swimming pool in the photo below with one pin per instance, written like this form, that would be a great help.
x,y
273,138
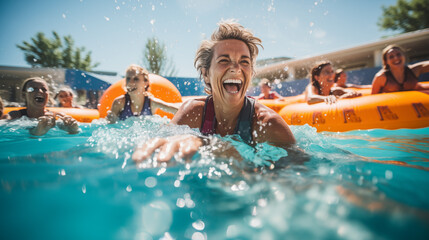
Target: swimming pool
x,y
370,184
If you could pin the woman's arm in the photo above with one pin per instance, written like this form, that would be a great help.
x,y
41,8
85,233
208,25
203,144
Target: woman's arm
x,y
377,83
420,68
164,106
117,107
312,97
270,127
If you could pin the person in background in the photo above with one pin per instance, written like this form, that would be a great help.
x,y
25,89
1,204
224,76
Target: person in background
x,y
65,97
396,75
341,80
266,92
137,100
321,83
226,64
36,94
2,109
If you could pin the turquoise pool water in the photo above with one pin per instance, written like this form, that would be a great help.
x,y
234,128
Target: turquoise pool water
x,y
356,185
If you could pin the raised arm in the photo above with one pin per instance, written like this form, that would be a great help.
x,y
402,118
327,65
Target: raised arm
x,y
420,68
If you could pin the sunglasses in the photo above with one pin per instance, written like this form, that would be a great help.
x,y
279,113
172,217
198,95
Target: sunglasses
x,y
32,89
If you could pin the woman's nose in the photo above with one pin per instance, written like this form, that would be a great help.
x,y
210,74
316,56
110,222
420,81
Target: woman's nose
x,y
235,67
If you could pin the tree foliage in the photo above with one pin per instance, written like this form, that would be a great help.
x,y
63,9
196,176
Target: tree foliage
x,y
56,53
405,16
155,58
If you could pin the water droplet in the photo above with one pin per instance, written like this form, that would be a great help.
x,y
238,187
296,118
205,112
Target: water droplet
x,y
388,174
64,16
107,19
150,182
198,225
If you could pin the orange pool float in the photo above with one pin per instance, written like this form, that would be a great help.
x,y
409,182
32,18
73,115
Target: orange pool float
x,y
160,88
80,114
396,110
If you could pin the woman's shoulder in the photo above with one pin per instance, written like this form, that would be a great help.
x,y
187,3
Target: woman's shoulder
x,y
17,114
190,113
265,114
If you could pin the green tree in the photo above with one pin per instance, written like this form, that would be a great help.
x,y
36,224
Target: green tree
x,y
46,52
405,16
155,58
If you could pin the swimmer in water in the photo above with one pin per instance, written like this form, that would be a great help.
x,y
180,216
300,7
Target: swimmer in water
x,y
226,64
320,87
266,92
137,101
396,75
36,94
65,97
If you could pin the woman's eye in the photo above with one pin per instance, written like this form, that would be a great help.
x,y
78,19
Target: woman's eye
x,y
245,62
223,61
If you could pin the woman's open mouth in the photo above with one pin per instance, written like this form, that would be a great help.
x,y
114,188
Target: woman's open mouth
x,y
232,85
39,99
131,89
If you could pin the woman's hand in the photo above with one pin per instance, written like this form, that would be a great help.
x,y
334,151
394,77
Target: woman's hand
x,y
186,146
330,99
45,123
351,94
111,117
69,124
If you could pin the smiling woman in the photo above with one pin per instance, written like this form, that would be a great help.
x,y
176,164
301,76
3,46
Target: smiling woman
x,y
36,94
226,63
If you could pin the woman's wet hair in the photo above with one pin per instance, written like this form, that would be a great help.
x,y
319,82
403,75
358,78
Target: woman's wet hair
x,y
139,71
315,71
228,29
386,50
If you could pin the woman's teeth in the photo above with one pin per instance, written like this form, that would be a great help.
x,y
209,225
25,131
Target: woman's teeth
x,y
39,99
232,85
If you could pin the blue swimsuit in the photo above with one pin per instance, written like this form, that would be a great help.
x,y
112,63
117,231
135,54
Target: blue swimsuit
x,y
126,113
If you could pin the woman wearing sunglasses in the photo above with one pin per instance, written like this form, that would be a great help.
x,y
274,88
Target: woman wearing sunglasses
x,y
36,94
396,75
137,100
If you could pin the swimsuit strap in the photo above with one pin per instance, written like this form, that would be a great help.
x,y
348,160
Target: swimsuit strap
x,y
146,107
127,112
245,120
244,123
208,124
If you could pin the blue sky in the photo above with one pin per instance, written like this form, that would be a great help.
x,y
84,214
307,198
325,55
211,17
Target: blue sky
x,y
115,31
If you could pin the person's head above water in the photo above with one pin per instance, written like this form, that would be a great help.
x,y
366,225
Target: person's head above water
x,y
65,97
393,54
137,79
234,33
322,75
35,92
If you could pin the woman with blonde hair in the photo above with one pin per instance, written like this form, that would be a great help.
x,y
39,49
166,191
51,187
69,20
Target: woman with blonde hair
x,y
137,101
226,64
36,94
